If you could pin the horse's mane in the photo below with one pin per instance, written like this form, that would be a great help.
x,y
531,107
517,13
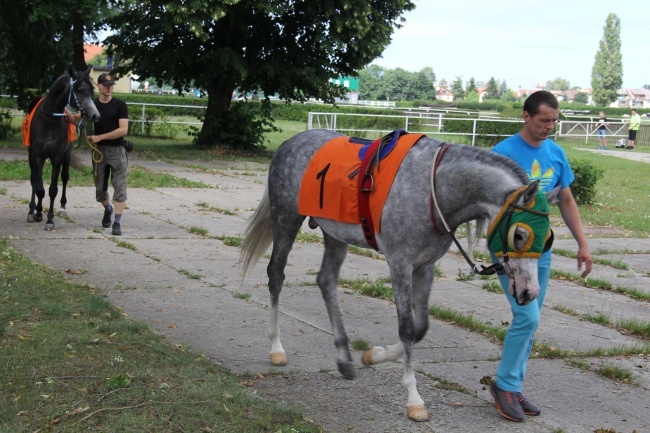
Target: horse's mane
x,y
59,85
482,155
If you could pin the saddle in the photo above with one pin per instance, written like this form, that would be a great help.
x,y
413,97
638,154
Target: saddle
x,y
27,124
348,179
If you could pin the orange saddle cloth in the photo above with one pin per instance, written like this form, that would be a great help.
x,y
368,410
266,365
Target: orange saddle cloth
x,y
26,128
328,191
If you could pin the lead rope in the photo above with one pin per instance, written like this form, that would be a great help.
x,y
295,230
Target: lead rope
x,y
498,268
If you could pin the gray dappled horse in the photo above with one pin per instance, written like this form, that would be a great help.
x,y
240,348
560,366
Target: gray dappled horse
x,y
49,139
471,184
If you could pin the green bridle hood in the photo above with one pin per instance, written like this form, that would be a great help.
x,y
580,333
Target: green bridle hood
x,y
533,217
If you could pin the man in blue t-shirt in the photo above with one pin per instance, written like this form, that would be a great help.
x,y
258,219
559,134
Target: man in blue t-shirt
x,y
544,160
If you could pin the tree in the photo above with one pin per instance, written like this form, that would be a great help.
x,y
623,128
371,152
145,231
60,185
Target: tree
x,y
40,39
503,87
470,92
558,84
581,98
492,89
607,72
457,88
423,84
289,47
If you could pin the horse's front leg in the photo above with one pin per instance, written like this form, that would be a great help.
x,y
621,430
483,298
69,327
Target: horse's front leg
x,y
54,190
284,234
333,257
402,280
65,176
422,280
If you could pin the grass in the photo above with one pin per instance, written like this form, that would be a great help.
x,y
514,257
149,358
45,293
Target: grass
x,y
618,264
223,211
595,283
231,241
198,231
618,200
71,361
138,177
376,289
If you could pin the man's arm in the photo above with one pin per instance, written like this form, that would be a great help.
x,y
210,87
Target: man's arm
x,y
571,216
121,131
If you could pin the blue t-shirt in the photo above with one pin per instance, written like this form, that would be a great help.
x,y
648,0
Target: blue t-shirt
x,y
547,163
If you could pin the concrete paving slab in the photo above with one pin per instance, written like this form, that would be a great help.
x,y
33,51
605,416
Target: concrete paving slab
x,y
188,288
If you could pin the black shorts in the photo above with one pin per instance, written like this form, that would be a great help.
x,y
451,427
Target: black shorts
x,y
632,135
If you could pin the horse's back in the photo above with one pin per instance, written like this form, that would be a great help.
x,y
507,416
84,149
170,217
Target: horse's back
x,y
289,164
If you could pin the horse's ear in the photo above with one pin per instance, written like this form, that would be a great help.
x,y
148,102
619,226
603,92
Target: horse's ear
x,y
88,70
531,191
551,196
72,72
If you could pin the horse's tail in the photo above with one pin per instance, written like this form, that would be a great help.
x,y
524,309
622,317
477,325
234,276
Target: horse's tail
x,y
75,162
258,235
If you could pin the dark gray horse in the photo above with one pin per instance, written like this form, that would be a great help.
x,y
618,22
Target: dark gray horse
x,y
49,139
471,184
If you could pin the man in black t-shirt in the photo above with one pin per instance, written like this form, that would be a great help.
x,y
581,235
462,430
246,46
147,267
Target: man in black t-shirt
x,y
109,139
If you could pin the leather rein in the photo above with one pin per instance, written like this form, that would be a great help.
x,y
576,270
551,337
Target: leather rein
x,y
500,268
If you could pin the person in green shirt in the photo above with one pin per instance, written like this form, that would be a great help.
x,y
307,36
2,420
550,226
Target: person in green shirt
x,y
635,123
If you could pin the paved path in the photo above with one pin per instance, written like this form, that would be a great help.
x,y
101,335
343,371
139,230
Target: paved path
x,y
189,288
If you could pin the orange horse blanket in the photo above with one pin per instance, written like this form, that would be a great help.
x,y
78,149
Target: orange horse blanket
x,y
327,190
27,125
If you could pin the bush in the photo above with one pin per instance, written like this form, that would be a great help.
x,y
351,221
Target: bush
x,y
5,125
243,127
152,125
584,186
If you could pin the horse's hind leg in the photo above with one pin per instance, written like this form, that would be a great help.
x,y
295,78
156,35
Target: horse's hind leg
x,y
35,213
335,252
285,231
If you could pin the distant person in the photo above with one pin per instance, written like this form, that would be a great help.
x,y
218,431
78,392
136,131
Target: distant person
x,y
635,124
255,96
544,160
602,131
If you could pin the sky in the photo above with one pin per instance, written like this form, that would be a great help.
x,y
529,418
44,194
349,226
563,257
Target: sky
x,y
525,42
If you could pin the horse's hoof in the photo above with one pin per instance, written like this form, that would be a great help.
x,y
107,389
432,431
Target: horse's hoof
x,y
279,359
367,357
49,227
417,413
38,218
347,369
63,212
30,219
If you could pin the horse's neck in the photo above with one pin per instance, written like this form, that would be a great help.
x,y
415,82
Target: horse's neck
x,y
56,99
469,190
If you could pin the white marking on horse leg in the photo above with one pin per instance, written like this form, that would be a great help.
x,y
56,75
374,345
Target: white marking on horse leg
x,y
379,354
415,405
63,212
278,355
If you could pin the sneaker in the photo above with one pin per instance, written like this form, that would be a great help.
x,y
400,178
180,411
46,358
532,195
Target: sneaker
x,y
507,403
528,406
106,221
117,230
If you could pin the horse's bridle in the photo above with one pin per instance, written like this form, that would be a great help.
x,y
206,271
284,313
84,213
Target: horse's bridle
x,y
72,94
499,268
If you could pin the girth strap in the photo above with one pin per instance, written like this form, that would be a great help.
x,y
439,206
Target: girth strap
x,y
366,186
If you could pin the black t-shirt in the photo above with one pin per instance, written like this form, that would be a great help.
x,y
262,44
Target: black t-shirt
x,y
601,123
111,112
